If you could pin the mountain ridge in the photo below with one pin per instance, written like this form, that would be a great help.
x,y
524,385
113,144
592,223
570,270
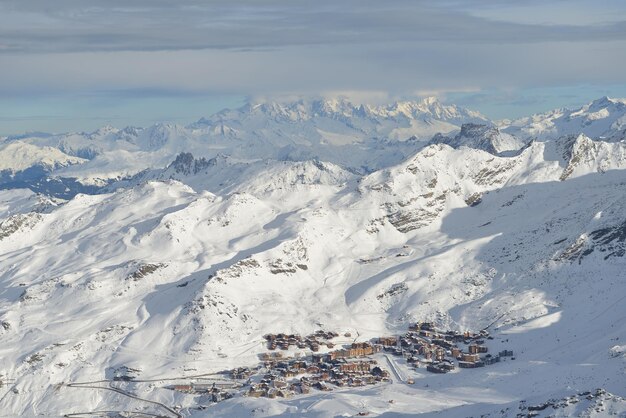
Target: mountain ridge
x,y
180,267
360,138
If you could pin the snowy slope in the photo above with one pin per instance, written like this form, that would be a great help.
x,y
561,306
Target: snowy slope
x,y
358,137
223,174
483,137
602,118
171,281
19,156
180,268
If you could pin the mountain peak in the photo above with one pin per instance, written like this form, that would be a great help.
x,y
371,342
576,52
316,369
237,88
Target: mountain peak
x,y
601,103
597,119
430,101
483,137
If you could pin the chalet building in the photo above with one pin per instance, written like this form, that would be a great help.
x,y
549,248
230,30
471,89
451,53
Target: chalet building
x,y
441,343
447,366
356,350
489,359
301,364
241,373
300,388
282,393
440,354
476,348
426,326
414,361
465,357
356,367
321,386
377,371
183,388
435,368
256,392
312,369
422,348
279,384
470,364
388,341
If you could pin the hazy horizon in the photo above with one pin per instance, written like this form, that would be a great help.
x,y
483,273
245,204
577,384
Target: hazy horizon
x,y
78,65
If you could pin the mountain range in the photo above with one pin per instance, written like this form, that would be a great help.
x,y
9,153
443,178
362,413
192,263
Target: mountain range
x,y
171,251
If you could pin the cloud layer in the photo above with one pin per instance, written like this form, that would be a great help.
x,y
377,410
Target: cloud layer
x,y
276,47
142,25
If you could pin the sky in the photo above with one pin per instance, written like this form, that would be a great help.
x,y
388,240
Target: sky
x,y
76,65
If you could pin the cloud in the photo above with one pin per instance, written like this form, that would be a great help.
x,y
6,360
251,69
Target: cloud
x,y
362,49
398,69
79,26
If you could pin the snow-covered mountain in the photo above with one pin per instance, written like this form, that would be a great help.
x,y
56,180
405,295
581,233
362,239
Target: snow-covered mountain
x,y
20,156
339,122
23,165
178,268
604,118
224,174
484,137
358,137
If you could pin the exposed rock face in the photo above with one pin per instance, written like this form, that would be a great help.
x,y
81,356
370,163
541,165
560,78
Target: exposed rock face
x,y
186,164
483,137
18,222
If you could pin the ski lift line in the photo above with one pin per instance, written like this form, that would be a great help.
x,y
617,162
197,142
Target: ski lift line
x,y
316,402
130,395
203,376
252,345
609,308
88,414
496,320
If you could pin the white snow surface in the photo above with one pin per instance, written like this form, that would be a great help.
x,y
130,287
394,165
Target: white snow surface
x,y
530,244
18,156
362,137
602,118
358,137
